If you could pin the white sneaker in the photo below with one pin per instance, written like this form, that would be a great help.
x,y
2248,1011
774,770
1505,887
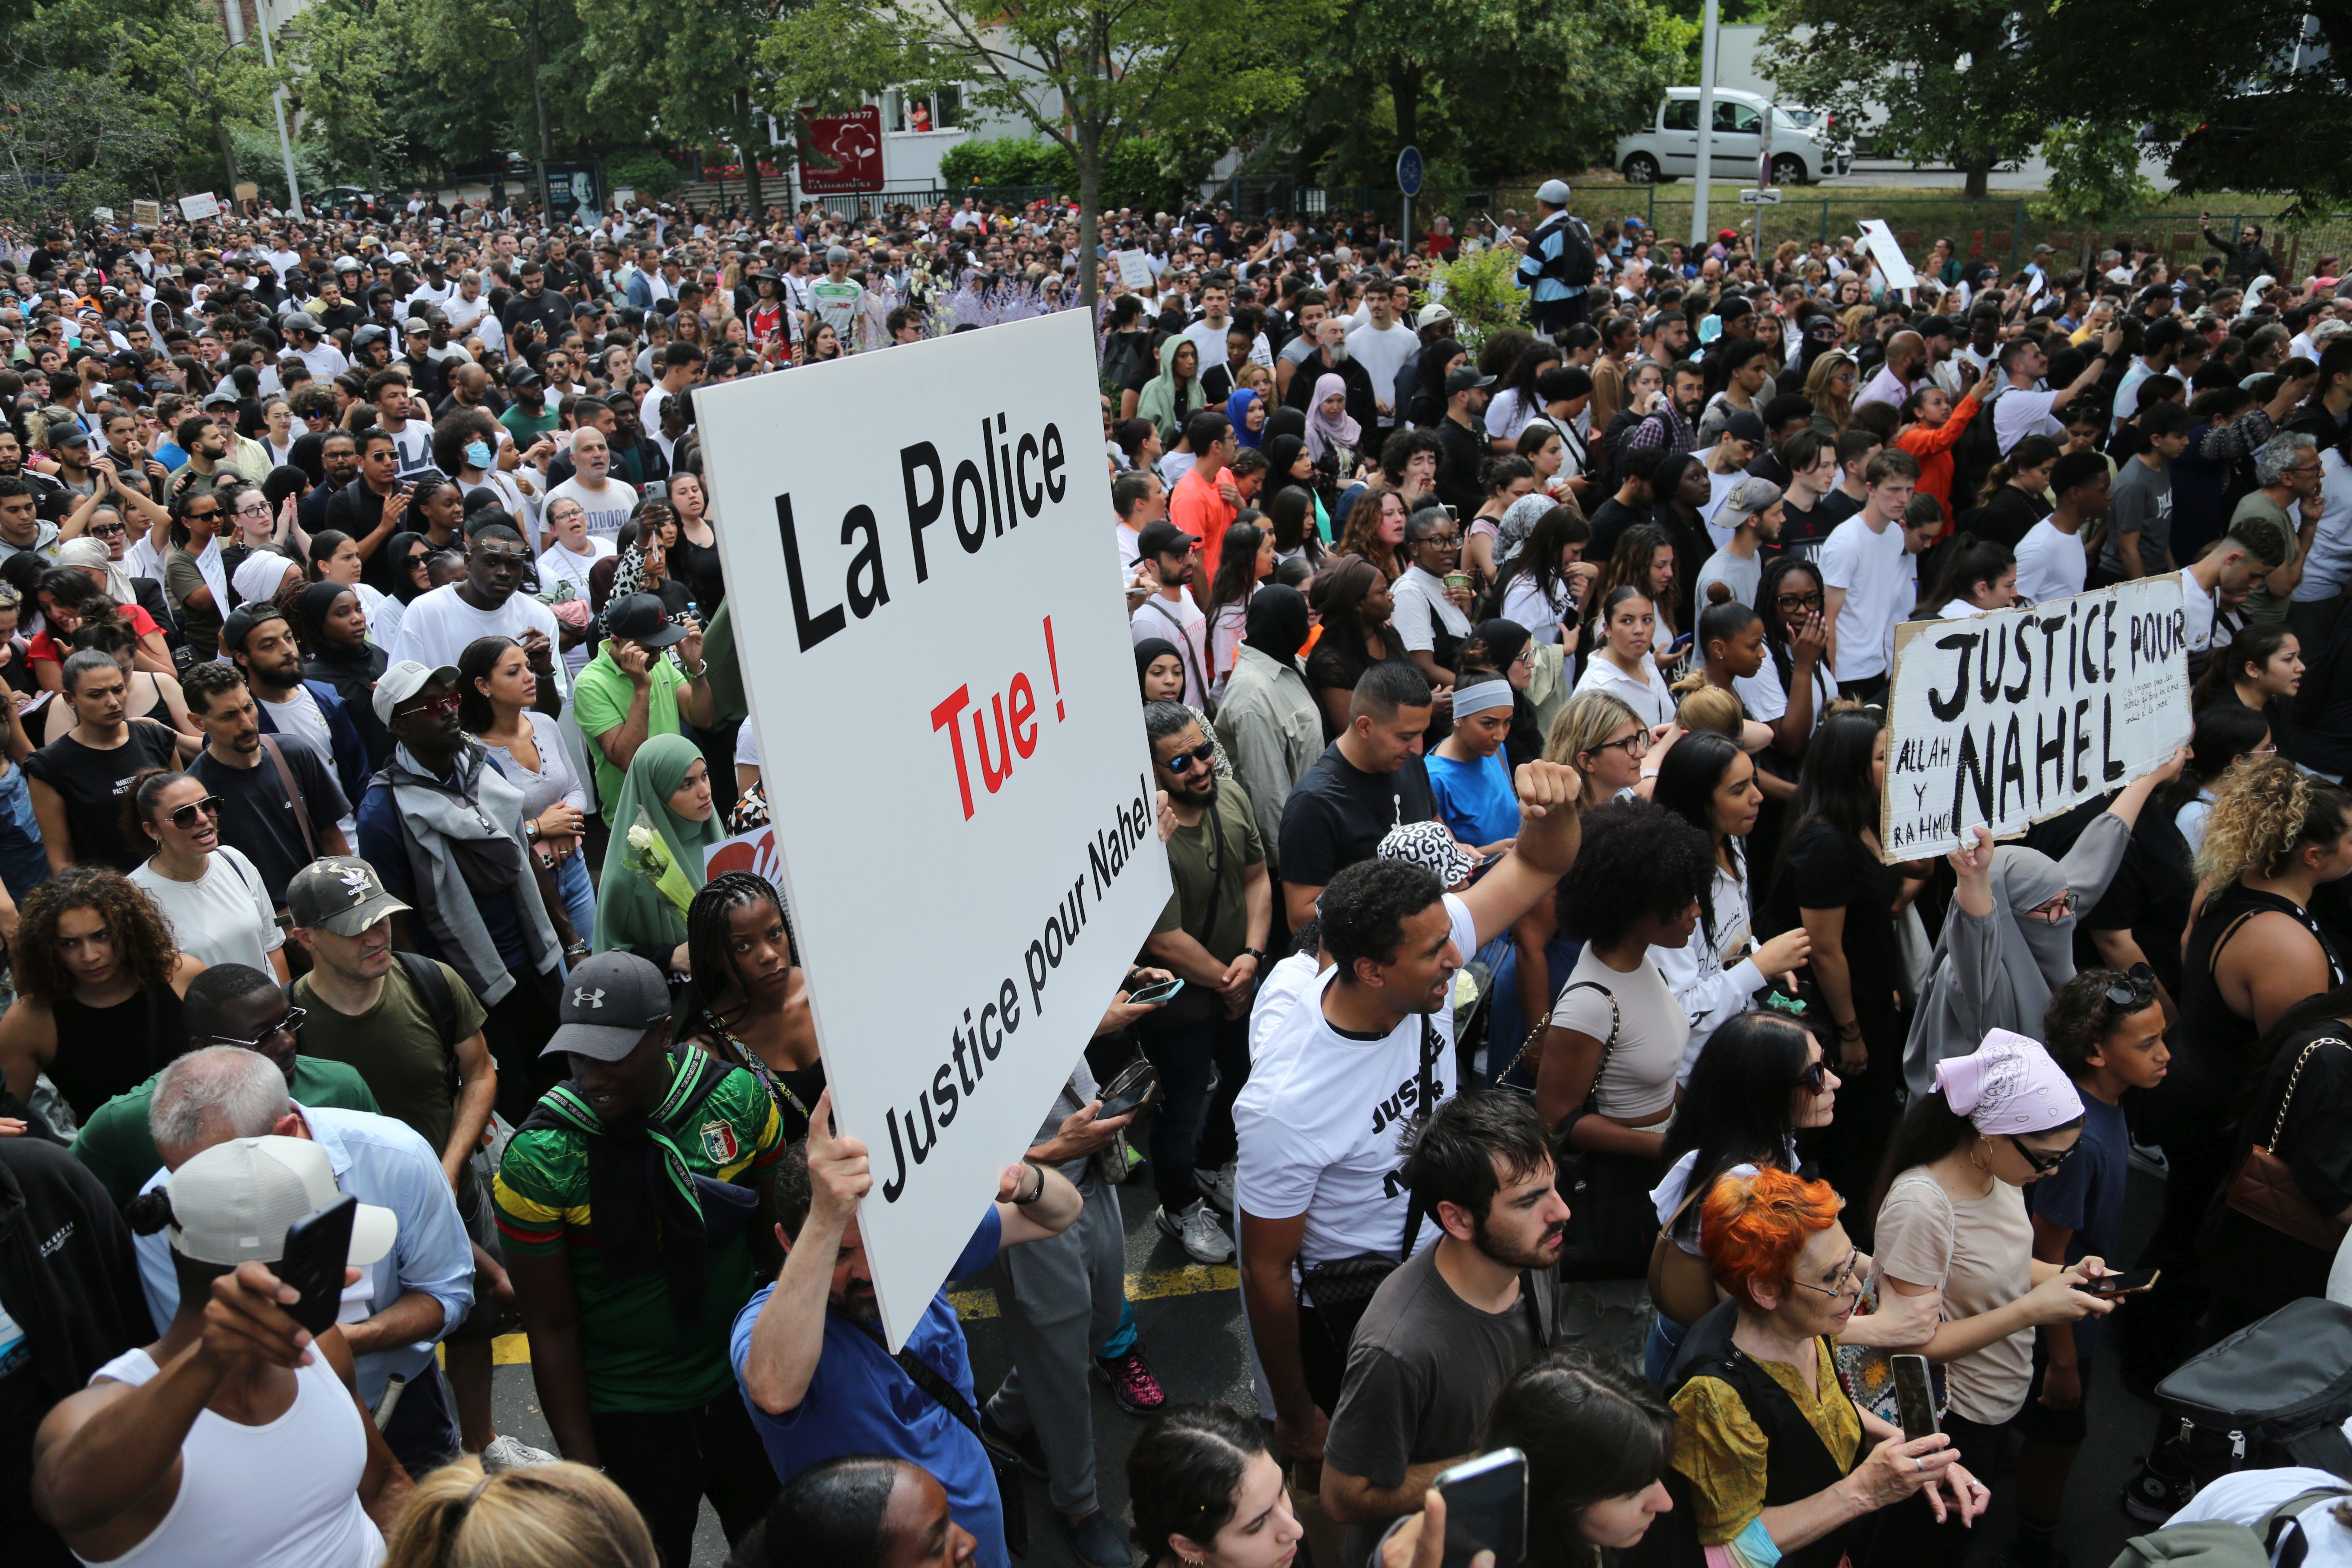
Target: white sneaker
x,y
511,1453
1217,1186
1204,1241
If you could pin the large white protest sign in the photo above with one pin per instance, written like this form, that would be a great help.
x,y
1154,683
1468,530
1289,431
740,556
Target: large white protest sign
x,y
1135,270
1878,242
2006,718
203,204
926,600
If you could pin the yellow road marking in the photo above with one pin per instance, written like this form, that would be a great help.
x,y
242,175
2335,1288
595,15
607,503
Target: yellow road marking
x,y
1192,1279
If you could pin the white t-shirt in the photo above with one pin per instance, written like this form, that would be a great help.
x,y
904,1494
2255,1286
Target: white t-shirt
x,y
1868,565
224,916
2050,562
1382,354
2018,414
2249,1495
1649,698
414,445
301,717
2197,612
608,508
1419,597
1319,1119
747,746
1766,700
436,627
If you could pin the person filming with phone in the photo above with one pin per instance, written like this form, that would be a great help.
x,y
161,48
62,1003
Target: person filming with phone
x,y
233,1437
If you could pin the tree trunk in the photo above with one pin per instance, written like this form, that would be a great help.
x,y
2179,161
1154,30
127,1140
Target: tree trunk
x,y
228,153
1979,172
1404,89
750,133
538,102
1089,161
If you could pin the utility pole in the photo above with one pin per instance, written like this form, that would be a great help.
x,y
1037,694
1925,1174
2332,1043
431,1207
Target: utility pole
x,y
1705,174
278,107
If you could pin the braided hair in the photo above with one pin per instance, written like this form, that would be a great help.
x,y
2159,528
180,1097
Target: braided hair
x,y
708,922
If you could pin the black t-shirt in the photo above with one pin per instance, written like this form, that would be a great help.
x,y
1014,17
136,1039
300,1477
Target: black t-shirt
x,y
1803,533
2008,517
91,783
257,818
1610,518
1337,814
357,510
1466,452
2151,893
1827,869
1836,507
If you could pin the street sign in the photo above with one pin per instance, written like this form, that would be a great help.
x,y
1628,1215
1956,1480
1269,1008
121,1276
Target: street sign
x,y
1759,198
1409,170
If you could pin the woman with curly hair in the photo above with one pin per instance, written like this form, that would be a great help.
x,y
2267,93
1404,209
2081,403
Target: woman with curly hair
x,y
1375,530
1608,1061
99,982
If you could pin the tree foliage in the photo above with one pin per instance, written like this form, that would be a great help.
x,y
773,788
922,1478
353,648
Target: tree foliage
x,y
1485,88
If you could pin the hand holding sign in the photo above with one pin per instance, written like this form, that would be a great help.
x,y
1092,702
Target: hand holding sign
x,y
839,1172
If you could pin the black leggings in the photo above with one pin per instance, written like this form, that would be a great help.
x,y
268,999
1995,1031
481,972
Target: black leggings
x,y
669,1460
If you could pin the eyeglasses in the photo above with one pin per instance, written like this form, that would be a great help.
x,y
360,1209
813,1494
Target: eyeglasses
x,y
1182,762
448,703
107,530
1634,745
2055,908
286,1026
185,817
1846,1284
1801,601
2136,988
2043,1161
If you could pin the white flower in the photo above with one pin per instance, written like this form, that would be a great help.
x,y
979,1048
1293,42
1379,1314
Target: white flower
x,y
641,839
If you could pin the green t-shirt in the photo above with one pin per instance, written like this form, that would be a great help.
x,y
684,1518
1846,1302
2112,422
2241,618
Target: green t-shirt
x,y
526,429
1206,862
119,1151
600,700
635,1357
396,1048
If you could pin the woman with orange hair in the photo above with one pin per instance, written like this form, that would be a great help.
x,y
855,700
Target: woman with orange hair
x,y
1772,1461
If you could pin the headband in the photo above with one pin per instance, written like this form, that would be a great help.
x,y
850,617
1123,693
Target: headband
x,y
1483,697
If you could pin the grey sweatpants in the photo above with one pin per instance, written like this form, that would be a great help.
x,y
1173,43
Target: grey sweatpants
x,y
1062,1299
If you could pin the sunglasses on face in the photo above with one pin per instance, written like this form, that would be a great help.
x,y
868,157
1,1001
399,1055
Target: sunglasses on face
x,y
184,817
286,1026
2043,1160
444,704
1816,1076
1182,762
107,530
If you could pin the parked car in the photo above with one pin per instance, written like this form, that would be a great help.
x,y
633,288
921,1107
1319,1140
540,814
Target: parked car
x,y
1805,147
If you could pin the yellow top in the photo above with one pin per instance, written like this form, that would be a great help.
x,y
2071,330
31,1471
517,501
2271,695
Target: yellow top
x,y
1720,1450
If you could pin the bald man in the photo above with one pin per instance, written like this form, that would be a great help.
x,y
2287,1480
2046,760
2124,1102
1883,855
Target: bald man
x,y
1906,367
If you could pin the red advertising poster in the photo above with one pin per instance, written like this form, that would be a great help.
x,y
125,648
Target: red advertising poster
x,y
842,152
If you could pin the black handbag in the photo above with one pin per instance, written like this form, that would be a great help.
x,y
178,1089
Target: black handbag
x,y
1610,1224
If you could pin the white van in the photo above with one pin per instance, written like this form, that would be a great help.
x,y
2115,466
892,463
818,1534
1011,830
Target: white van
x,y
1803,149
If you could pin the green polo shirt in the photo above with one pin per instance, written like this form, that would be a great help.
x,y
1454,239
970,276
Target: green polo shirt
x,y
119,1151
600,700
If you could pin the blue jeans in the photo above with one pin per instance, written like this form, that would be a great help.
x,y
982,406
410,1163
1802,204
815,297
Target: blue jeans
x,y
579,897
1190,1130
1665,1338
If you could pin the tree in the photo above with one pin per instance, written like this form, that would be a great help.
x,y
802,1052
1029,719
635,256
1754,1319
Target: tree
x,y
1493,87
1965,82
537,39
191,74
1085,73
692,69
342,55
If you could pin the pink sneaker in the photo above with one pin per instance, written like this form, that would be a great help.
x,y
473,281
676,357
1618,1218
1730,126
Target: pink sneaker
x,y
1131,1382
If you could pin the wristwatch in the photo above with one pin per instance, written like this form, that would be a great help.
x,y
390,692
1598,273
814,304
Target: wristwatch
x,y
1256,952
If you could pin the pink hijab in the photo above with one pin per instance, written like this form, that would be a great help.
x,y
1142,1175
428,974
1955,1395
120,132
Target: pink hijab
x,y
1323,434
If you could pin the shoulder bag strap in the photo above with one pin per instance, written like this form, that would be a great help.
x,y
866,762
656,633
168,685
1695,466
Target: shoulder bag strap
x,y
1184,643
293,793
2283,1539
923,1376
2278,1125
1608,1046
1425,1092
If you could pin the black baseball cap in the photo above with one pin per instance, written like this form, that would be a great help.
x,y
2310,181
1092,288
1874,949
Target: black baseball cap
x,y
1745,425
521,376
1163,538
641,618
608,1003
1465,379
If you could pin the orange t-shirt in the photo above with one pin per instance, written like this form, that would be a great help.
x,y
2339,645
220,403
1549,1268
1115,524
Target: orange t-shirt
x,y
1195,507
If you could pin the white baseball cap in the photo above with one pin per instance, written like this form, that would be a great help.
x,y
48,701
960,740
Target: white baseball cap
x,y
233,1203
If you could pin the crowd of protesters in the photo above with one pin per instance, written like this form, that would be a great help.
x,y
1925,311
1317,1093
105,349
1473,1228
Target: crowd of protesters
x,y
1558,1060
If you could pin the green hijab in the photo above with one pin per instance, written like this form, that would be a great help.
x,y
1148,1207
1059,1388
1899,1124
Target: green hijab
x,y
630,910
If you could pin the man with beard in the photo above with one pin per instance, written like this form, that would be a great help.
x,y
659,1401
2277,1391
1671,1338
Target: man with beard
x,y
1213,935
1331,357
1170,615
603,1198
1672,427
338,461
1445,1330
808,1350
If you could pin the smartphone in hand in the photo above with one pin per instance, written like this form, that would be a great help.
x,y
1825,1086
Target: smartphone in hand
x,y
1485,1507
318,1246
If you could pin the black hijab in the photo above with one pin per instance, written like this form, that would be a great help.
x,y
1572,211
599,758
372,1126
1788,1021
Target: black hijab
x,y
404,587
1148,649
351,671
1283,422
1281,452
1277,623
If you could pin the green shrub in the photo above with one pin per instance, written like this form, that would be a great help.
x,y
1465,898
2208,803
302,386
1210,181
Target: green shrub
x,y
653,175
1136,173
1481,294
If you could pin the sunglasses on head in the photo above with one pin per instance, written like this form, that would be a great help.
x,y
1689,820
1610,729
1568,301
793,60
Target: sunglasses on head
x,y
1182,761
2135,988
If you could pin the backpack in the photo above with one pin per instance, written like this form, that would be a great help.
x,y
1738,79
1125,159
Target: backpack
x,y
1974,454
2224,1543
2274,1393
1577,262
441,1003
